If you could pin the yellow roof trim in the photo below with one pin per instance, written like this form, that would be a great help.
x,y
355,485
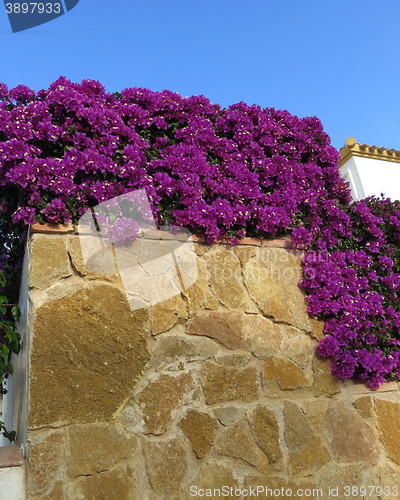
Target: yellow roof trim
x,y
354,148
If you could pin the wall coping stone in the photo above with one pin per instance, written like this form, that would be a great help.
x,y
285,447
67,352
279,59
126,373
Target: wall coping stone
x,y
284,242
11,456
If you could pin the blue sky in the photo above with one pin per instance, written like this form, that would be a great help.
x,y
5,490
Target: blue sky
x,y
336,60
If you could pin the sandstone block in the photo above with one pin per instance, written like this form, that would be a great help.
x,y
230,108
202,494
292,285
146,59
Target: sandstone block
x,y
226,276
196,293
238,358
227,415
324,383
213,475
237,330
332,475
178,347
245,253
45,457
308,459
160,397
96,448
388,415
224,326
56,493
226,383
272,281
237,441
365,405
306,451
167,313
49,261
201,429
97,261
166,465
350,437
87,352
116,484
266,429
298,347
287,374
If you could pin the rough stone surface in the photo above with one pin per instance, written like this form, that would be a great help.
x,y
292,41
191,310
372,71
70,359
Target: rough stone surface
x,y
237,441
44,458
266,429
56,493
287,374
167,313
226,383
180,347
272,281
350,437
306,451
224,326
49,261
116,484
196,293
388,415
237,330
227,415
213,475
96,448
338,475
298,347
245,253
201,429
166,465
98,262
226,277
324,382
160,397
315,410
365,405
238,359
227,391
87,352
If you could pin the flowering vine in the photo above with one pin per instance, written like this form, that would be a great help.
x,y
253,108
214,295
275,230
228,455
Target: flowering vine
x,y
225,173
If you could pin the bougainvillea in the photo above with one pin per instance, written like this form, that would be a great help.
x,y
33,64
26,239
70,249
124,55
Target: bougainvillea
x,y
355,288
225,173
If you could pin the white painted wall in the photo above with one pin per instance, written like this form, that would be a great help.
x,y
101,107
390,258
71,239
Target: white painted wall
x,y
368,177
12,483
15,401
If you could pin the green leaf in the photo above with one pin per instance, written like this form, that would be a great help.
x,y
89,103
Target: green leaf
x,y
11,436
16,313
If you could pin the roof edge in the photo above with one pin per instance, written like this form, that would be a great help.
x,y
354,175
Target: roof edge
x,y
354,148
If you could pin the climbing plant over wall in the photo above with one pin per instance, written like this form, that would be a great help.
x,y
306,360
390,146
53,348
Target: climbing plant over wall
x,y
230,173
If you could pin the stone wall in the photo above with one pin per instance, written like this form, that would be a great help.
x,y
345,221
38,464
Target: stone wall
x,y
216,386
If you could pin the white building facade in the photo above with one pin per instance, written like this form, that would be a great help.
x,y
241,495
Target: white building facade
x,y
370,170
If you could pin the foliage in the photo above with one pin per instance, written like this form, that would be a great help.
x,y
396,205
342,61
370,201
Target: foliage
x,y
355,288
234,172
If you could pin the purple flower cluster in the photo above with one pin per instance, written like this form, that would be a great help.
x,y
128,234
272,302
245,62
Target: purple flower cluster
x,y
355,288
230,173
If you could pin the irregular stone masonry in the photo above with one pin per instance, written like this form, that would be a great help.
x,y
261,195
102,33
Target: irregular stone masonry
x,y
216,386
